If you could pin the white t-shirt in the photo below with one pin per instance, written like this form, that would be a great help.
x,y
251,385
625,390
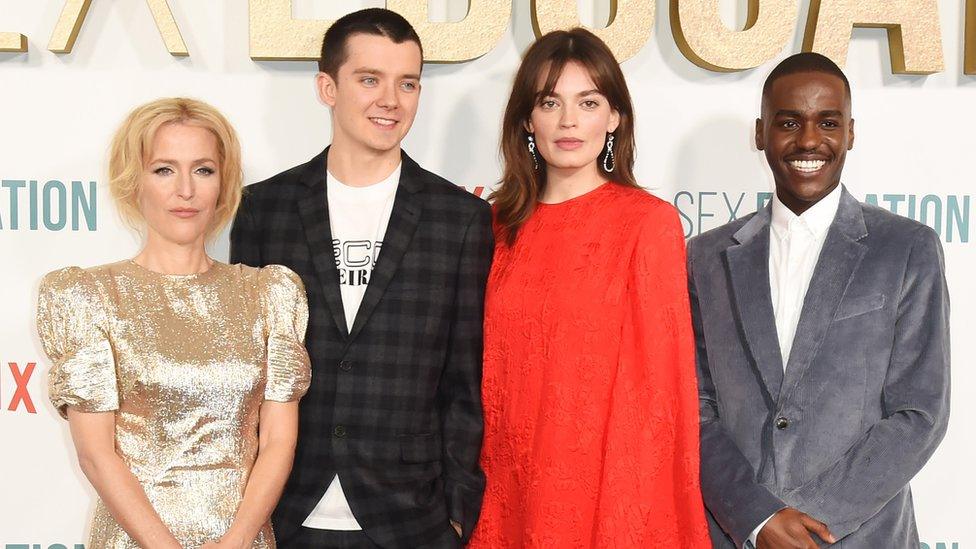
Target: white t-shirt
x,y
358,217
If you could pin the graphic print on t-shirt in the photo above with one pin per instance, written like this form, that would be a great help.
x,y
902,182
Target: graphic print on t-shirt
x,y
355,260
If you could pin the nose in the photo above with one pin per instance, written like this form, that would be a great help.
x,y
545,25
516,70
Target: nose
x,y
567,117
388,98
809,137
185,187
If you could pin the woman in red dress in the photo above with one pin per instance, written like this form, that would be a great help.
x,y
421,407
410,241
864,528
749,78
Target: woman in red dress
x,y
590,396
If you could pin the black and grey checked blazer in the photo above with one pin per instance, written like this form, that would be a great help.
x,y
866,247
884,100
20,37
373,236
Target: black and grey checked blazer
x,y
395,402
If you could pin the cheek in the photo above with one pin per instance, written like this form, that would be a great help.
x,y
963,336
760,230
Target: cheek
x,y
542,126
209,191
152,195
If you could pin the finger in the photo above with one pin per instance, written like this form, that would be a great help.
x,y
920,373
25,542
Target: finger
x,y
818,528
805,541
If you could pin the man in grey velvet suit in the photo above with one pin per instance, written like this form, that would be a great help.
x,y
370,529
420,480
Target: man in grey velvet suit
x,y
822,333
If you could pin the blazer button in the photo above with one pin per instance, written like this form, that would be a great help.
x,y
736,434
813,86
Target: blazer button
x,y
782,423
339,431
345,365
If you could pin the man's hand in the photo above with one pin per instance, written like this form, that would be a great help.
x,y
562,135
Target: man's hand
x,y
791,529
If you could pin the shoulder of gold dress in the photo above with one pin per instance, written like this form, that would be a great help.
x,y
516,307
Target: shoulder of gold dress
x,y
271,275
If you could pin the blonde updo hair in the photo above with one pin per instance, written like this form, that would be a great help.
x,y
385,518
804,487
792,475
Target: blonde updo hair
x,y
132,147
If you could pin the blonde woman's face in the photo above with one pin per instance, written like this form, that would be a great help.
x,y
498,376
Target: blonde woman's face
x,y
180,184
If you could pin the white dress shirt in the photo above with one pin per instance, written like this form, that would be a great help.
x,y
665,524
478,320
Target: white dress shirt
x,y
795,243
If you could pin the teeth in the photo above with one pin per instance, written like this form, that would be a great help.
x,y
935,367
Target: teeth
x,y
807,165
383,121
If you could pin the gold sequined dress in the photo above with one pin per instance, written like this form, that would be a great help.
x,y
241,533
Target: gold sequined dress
x,y
185,362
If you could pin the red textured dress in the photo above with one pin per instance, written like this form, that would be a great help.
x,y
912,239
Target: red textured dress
x,y
590,395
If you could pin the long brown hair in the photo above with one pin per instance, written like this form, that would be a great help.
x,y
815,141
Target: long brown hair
x,y
521,184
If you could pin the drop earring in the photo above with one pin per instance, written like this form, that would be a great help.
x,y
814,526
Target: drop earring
x,y
608,160
535,157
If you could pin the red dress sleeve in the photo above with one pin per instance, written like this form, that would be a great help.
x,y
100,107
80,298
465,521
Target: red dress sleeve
x,y
650,494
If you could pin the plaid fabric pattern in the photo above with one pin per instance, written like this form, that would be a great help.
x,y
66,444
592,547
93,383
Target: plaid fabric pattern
x,y
395,402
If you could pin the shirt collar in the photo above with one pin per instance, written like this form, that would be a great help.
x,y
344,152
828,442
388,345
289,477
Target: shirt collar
x,y
817,219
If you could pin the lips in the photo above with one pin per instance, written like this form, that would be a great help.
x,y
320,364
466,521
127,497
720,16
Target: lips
x,y
569,143
806,165
385,123
184,212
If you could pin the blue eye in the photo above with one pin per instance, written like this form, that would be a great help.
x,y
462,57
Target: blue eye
x,y
206,170
164,170
369,81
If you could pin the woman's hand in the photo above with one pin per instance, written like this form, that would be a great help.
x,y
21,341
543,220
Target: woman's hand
x,y
225,542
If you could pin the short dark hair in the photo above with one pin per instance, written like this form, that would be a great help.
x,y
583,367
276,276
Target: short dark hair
x,y
374,21
805,62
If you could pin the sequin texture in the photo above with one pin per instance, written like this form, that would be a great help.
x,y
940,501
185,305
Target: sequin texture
x,y
185,361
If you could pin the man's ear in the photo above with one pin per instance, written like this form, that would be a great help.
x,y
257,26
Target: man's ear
x,y
325,85
760,135
850,130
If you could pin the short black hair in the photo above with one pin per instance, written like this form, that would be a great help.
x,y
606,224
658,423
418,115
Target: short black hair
x,y
374,21
805,62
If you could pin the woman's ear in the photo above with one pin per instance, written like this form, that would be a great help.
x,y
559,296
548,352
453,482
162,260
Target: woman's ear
x,y
614,121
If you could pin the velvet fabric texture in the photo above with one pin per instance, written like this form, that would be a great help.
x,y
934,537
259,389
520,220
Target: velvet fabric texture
x,y
864,398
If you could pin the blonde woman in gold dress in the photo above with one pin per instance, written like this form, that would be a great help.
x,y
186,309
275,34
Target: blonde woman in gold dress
x,y
179,375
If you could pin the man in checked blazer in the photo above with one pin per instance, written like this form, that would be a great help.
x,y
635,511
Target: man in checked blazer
x,y
822,332
394,261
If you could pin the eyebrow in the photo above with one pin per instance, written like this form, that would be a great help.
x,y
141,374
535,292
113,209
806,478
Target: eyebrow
x,y
369,70
594,91
170,161
799,114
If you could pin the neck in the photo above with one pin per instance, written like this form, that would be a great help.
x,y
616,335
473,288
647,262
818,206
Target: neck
x,y
167,257
798,207
358,166
564,184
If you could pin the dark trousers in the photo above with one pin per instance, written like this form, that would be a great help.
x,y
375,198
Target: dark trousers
x,y
313,538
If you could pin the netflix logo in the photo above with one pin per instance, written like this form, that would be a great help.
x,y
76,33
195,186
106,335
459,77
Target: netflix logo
x,y
15,387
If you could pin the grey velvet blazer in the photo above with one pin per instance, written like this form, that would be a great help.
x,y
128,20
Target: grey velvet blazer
x,y
864,400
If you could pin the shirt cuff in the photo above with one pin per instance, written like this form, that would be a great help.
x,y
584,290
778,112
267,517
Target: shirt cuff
x,y
751,542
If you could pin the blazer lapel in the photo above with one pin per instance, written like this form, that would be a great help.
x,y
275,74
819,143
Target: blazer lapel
x,y
838,262
314,211
748,263
404,218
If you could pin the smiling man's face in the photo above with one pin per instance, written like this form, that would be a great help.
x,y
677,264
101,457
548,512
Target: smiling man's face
x,y
375,94
806,130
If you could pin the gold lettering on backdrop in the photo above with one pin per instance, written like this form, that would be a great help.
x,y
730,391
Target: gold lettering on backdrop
x,y
707,42
12,42
468,39
969,63
914,33
274,35
73,17
629,29
69,23
168,28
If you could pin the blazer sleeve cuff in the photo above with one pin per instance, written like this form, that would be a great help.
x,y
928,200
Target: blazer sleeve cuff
x,y
760,505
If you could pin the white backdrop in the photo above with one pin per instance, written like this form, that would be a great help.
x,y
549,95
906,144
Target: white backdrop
x,y
57,112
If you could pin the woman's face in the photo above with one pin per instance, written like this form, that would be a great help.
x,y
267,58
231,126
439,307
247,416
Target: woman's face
x,y
571,124
180,185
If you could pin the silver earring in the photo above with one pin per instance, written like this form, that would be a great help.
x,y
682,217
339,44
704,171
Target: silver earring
x,y
535,157
608,160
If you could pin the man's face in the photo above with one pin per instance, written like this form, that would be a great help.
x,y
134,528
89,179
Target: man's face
x,y
375,93
806,130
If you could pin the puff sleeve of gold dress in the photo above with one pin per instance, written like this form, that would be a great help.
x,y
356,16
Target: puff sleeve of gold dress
x,y
185,362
